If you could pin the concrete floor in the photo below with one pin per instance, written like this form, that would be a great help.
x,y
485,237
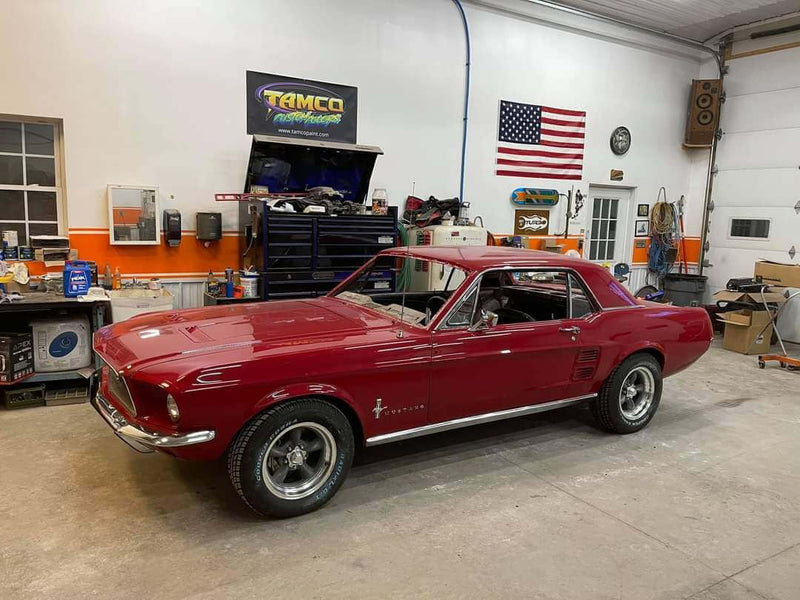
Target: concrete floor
x,y
703,504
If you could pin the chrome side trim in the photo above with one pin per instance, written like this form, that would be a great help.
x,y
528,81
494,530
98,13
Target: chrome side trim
x,y
531,409
140,439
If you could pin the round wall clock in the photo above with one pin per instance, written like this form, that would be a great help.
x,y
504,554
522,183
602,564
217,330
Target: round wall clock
x,y
620,141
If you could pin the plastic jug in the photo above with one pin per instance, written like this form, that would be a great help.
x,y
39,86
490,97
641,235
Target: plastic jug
x,y
77,278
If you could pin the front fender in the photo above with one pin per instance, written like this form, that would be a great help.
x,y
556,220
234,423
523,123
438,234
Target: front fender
x,y
304,390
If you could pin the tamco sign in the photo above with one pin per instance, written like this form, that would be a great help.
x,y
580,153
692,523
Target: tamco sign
x,y
300,108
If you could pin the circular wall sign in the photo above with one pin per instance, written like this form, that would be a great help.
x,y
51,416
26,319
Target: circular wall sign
x,y
620,141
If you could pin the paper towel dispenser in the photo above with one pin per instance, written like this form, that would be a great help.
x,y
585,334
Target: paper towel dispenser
x,y
209,226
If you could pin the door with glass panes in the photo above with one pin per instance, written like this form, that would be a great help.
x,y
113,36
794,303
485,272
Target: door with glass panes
x,y
607,225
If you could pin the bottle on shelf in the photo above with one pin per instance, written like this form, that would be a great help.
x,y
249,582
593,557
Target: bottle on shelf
x,y
107,277
116,283
212,285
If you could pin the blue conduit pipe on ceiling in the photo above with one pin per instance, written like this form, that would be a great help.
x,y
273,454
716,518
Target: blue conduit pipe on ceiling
x,y
466,101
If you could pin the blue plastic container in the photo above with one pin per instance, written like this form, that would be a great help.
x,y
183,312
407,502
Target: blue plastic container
x,y
77,278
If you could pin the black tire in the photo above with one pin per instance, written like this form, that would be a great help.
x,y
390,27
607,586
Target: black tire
x,y
645,290
246,456
608,409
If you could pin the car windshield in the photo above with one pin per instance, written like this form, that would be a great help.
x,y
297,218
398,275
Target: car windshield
x,y
414,289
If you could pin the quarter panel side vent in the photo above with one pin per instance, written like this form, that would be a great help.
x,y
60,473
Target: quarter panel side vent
x,y
585,364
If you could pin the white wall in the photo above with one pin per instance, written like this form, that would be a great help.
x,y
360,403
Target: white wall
x,y
152,92
615,84
758,160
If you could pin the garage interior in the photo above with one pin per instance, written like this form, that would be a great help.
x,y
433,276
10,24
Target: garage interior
x,y
182,162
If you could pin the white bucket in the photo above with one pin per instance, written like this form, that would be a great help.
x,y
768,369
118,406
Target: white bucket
x,y
250,285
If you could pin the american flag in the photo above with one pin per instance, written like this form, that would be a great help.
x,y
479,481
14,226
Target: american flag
x,y
540,142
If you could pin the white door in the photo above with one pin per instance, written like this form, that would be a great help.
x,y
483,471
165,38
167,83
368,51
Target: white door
x,y
607,223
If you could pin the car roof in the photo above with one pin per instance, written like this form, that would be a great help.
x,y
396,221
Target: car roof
x,y
479,258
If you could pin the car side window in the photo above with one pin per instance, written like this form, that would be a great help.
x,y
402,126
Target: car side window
x,y
581,304
462,315
528,296
533,295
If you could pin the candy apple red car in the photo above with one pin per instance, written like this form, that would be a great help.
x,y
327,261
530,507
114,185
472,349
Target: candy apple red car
x,y
420,340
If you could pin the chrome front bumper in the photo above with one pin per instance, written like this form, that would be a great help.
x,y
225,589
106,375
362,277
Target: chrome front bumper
x,y
138,438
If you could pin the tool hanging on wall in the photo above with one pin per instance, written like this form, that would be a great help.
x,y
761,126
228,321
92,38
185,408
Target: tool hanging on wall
x,y
684,265
663,224
572,210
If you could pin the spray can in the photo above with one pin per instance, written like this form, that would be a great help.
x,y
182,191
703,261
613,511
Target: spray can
x,y
229,282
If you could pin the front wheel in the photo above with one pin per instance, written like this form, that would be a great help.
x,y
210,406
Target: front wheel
x,y
630,396
291,459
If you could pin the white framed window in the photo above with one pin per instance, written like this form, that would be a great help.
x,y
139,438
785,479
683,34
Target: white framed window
x,y
603,229
31,183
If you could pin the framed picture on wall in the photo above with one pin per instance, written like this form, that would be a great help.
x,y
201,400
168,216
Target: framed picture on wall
x,y
642,229
642,210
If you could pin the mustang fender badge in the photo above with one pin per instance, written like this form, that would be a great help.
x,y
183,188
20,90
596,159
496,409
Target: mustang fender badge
x,y
379,408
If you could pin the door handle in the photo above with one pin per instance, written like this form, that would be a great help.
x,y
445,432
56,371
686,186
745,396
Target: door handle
x,y
574,330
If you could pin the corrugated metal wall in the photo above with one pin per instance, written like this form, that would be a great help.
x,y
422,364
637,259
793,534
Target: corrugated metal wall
x,y
187,294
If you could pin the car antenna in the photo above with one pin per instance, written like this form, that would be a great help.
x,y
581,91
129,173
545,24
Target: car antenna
x,y
403,297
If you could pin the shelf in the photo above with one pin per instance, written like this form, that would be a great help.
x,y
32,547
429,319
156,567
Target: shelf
x,y
84,373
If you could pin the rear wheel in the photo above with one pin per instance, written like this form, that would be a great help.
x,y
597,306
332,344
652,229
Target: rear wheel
x,y
630,396
292,458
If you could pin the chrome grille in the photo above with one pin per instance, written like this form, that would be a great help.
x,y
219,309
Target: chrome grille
x,y
119,389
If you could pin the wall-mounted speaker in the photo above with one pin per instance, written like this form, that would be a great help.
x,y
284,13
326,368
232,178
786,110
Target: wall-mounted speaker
x,y
703,114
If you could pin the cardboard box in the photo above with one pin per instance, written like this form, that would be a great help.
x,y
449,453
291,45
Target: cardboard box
x,y
747,330
775,273
755,298
16,356
55,257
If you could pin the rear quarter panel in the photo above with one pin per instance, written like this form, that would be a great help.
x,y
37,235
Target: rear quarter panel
x,y
677,335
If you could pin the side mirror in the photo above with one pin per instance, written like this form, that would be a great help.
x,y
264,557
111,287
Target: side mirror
x,y
487,320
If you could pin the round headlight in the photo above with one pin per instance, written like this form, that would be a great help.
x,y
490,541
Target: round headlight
x,y
172,409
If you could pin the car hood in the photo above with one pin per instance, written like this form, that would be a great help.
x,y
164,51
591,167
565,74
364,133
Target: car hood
x,y
160,336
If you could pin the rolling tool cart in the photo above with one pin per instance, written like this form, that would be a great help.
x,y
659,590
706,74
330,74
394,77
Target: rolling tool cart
x,y
784,360
302,217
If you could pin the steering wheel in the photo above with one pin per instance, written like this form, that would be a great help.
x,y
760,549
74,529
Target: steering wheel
x,y
429,306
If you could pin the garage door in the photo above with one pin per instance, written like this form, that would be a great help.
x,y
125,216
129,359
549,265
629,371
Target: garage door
x,y
758,183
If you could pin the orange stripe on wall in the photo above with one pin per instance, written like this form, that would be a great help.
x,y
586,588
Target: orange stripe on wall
x,y
692,251
539,242
191,256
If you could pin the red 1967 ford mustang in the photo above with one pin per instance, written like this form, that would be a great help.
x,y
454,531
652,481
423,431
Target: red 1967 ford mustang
x,y
418,341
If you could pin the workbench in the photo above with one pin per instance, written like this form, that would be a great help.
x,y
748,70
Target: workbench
x,y
14,315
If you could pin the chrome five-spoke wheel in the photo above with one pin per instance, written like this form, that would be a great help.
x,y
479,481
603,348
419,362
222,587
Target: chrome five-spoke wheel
x,y
299,461
630,396
637,393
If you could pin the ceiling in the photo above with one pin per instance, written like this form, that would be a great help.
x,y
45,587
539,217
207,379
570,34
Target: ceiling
x,y
694,19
